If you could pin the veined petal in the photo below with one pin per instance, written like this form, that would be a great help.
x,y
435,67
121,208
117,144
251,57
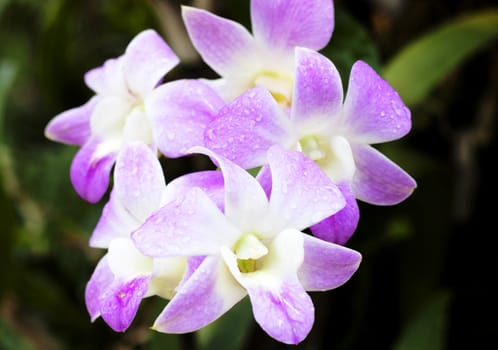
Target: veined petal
x,y
378,180
147,59
180,112
90,171
373,110
288,23
245,200
326,265
139,180
339,227
205,296
72,126
318,91
190,225
285,312
121,301
302,194
115,300
210,181
101,278
247,127
225,45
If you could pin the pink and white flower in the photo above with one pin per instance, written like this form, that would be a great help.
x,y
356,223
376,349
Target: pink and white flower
x,y
254,247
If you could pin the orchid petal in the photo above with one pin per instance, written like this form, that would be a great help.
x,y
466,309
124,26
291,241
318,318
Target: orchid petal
x,y
302,194
210,181
139,180
190,225
318,90
90,171
373,110
137,127
247,127
167,274
115,300
378,180
108,79
114,222
288,23
223,44
109,116
203,298
147,59
121,302
72,126
126,262
245,200
101,278
339,227
326,265
280,304
180,112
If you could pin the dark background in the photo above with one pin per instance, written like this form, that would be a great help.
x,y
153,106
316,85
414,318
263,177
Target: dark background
x,y
429,264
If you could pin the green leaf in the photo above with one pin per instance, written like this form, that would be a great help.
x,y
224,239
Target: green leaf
x,y
422,64
428,330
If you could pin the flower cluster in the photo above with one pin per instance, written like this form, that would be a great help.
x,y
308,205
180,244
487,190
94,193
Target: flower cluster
x,y
207,239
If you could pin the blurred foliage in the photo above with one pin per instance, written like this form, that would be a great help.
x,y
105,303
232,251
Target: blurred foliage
x,y
428,268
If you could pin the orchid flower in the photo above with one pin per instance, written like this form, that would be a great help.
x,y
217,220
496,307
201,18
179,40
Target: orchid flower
x,y
124,276
336,134
128,106
266,57
254,247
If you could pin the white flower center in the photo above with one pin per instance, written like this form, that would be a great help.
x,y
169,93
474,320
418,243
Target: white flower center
x,y
333,155
248,250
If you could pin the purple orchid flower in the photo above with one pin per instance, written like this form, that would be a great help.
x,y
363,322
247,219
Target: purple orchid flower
x,y
336,134
254,247
129,105
124,276
266,57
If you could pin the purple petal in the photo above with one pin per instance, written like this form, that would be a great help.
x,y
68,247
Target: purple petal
x,y
373,110
190,225
378,180
302,194
326,265
245,200
317,90
114,222
210,181
285,311
101,278
116,301
107,79
288,23
121,300
147,59
339,227
72,126
264,179
247,127
204,297
223,44
139,180
90,171
180,112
